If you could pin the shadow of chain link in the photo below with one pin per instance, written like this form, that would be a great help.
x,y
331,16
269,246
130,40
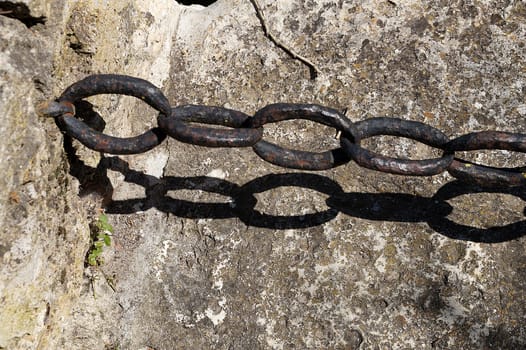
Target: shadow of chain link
x,y
394,207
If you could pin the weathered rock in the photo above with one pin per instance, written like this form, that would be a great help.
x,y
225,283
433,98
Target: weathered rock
x,y
43,236
347,258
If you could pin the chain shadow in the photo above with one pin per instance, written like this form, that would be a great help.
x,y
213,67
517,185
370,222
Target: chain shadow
x,y
433,210
242,198
396,207
494,234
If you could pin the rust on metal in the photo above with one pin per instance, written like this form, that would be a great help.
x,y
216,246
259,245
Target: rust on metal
x,y
488,140
302,159
100,142
295,159
177,126
487,176
117,84
286,111
247,131
403,128
55,109
111,84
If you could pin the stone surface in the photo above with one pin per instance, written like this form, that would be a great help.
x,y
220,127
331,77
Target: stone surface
x,y
342,259
43,225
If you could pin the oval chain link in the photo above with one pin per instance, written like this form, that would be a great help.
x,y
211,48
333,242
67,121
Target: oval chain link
x,y
484,175
177,126
296,159
403,128
113,84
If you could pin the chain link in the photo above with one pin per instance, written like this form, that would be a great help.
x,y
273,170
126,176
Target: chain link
x,y
176,125
404,128
247,131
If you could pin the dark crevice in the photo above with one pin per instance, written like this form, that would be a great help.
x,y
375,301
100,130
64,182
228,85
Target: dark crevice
x,y
20,12
76,45
196,2
39,85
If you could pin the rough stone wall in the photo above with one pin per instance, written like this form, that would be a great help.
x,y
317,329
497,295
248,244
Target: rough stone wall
x,y
43,233
342,259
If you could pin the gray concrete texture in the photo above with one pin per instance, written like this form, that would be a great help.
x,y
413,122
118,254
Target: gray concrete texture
x,y
218,249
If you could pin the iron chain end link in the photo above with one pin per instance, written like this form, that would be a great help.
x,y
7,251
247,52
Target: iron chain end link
x,y
53,109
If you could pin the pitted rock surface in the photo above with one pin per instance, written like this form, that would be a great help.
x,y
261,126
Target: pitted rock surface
x,y
342,259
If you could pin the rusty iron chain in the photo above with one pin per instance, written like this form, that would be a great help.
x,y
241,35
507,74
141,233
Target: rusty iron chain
x,y
247,131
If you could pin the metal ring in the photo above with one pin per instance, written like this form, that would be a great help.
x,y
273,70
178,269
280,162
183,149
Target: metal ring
x,y
55,109
484,175
488,140
403,128
177,127
302,159
117,84
113,84
487,176
100,142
